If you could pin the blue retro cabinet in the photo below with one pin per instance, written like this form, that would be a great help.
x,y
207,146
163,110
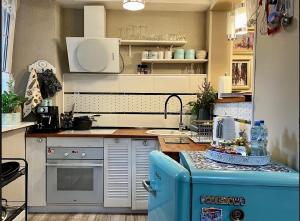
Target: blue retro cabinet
x,y
200,189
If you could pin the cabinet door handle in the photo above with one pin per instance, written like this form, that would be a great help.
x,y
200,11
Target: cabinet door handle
x,y
40,140
146,185
145,142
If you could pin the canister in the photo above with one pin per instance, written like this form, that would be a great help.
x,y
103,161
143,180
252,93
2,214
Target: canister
x,y
145,55
168,54
189,54
153,55
179,53
160,54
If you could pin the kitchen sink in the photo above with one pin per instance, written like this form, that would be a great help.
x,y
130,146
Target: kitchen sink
x,y
166,132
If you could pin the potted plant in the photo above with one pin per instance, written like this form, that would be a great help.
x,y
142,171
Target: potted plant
x,y
202,107
11,106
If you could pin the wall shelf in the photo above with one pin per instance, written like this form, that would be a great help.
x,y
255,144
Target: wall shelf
x,y
152,43
130,43
174,61
190,62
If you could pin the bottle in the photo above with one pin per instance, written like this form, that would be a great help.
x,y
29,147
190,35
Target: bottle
x,y
255,137
264,137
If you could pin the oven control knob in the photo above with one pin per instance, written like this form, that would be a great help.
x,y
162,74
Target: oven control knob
x,y
237,215
83,154
66,154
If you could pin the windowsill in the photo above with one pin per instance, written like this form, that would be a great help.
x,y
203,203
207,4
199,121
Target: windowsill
x,y
6,128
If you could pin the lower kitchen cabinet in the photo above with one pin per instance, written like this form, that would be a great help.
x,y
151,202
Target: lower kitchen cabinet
x,y
140,164
117,172
36,158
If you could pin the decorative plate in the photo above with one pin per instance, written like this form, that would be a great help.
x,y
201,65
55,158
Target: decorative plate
x,y
238,159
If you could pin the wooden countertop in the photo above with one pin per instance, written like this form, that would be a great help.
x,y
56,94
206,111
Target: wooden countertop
x,y
135,133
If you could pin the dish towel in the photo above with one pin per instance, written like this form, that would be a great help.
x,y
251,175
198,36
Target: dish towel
x,y
33,93
49,85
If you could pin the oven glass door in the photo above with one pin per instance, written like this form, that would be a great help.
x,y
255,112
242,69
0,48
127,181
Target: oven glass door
x,y
75,181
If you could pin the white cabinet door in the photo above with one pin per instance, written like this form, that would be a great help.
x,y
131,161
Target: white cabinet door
x,y
36,158
117,172
140,164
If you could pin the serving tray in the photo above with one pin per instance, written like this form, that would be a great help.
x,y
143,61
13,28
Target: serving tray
x,y
237,159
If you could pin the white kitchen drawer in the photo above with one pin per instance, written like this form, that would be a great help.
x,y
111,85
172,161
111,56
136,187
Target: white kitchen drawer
x,y
75,142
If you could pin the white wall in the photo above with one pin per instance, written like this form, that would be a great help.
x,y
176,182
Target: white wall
x,y
277,90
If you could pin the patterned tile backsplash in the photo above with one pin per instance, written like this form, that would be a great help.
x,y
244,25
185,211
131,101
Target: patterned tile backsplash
x,y
130,100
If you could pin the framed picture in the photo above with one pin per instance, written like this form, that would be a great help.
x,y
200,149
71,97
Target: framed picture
x,y
244,44
241,72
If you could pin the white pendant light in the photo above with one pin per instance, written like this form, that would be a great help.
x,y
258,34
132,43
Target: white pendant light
x,y
133,5
230,26
240,21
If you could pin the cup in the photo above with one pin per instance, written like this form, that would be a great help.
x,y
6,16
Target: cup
x,y
153,55
145,55
160,54
201,54
168,55
179,53
189,54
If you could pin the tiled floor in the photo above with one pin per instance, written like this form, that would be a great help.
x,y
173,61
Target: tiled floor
x,y
85,217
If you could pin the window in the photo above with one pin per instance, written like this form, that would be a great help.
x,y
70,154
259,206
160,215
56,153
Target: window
x,y
7,38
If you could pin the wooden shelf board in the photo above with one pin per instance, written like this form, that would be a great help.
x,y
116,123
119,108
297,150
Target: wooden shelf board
x,y
152,43
174,61
231,100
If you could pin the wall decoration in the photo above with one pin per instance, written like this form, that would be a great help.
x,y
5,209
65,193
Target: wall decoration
x,y
241,70
244,44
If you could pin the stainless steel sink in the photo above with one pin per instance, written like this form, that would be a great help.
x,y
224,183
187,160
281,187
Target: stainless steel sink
x,y
167,132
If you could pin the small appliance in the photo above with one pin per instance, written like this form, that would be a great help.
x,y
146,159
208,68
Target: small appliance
x,y
47,119
74,172
203,190
223,129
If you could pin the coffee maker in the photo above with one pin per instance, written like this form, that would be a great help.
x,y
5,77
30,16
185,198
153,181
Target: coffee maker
x,y
47,119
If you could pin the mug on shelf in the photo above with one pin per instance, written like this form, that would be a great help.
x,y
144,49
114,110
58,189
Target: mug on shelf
x,y
189,54
179,53
201,54
168,55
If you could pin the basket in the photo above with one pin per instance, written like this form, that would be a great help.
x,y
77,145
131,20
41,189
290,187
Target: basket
x,y
203,131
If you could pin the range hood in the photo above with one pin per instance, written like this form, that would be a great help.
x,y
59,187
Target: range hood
x,y
93,52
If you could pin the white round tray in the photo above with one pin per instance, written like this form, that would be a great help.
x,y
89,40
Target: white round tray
x,y
237,159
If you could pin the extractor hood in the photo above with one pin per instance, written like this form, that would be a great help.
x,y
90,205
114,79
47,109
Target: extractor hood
x,y
93,52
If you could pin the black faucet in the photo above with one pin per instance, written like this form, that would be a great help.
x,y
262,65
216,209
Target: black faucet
x,y
166,104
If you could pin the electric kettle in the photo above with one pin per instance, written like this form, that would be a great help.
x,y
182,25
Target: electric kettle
x,y
223,129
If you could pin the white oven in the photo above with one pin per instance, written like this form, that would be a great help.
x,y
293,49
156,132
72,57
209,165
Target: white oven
x,y
74,175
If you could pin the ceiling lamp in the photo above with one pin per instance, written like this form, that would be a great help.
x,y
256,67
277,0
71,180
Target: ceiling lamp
x,y
133,5
240,21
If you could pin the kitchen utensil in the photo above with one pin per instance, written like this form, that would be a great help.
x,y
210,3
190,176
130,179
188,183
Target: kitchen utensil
x,y
179,53
189,54
83,122
9,169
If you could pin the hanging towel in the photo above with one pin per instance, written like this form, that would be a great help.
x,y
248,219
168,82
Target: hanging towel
x,y
49,84
33,94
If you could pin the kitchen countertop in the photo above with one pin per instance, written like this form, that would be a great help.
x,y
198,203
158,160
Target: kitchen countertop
x,y
6,128
135,133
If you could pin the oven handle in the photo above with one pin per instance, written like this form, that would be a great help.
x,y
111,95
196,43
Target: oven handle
x,y
73,165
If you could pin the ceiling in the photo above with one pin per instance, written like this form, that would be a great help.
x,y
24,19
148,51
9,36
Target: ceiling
x,y
150,5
